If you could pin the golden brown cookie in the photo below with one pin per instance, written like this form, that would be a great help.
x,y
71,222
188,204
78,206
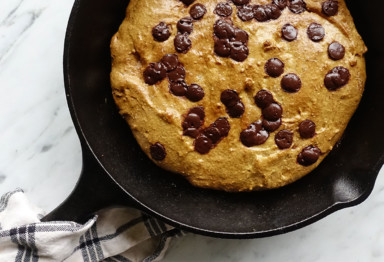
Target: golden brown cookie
x,y
238,95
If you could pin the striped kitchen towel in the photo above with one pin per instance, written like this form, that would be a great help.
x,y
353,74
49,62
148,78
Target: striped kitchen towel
x,y
115,234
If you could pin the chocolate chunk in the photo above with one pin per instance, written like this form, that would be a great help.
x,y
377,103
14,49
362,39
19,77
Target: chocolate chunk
x,y
271,126
195,93
198,110
157,151
316,32
203,144
273,112
178,88
336,51
240,36
161,32
223,9
185,25
309,156
264,98
192,120
284,139
155,72
289,32
222,47
337,78
182,43
260,13
237,110
241,2
191,132
239,51
223,29
212,133
170,61
291,83
197,11
297,6
222,125
280,3
330,7
272,11
178,74
229,98
254,135
274,67
187,2
245,12
307,129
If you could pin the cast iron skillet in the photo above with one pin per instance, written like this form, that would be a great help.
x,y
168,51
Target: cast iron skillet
x,y
116,171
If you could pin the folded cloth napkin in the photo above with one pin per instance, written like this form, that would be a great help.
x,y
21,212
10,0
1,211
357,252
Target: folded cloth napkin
x,y
115,234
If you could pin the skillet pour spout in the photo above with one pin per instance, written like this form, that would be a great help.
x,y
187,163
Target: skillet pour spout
x,y
116,171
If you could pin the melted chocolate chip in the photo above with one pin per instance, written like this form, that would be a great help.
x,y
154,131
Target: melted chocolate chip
x,y
197,11
223,29
223,9
161,32
273,112
264,98
337,78
157,151
203,144
330,7
284,139
198,110
195,93
316,32
155,72
272,11
237,110
178,74
241,2
239,51
260,14
170,62
178,88
191,132
192,120
289,32
182,43
212,133
271,126
187,2
222,47
185,25
245,12
297,6
274,67
309,156
222,125
280,3
307,129
336,51
291,83
229,98
254,135
240,36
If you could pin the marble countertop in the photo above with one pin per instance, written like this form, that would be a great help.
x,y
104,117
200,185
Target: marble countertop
x,y
40,151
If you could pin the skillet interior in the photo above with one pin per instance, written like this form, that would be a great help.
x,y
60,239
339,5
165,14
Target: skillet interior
x,y
344,179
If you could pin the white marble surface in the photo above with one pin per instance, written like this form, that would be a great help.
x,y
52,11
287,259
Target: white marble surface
x,y
40,152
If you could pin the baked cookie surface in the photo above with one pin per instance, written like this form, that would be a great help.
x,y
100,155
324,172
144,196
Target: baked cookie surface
x,y
238,95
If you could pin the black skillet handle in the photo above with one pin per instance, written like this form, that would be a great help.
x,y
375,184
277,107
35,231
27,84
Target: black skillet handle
x,y
94,191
